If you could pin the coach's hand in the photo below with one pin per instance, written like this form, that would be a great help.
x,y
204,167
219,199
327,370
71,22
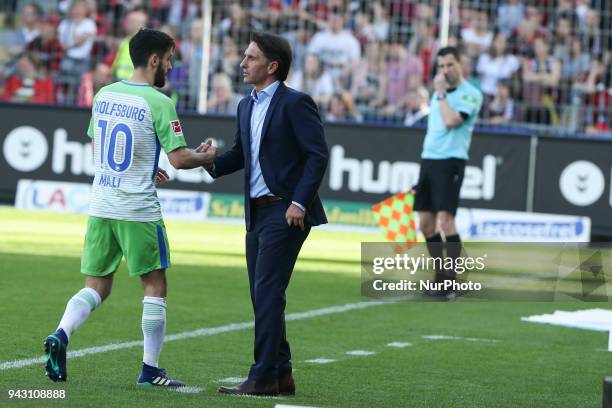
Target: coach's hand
x,y
207,147
204,146
295,216
161,177
439,83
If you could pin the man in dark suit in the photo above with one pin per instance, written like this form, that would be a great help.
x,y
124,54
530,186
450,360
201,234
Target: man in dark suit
x,y
281,145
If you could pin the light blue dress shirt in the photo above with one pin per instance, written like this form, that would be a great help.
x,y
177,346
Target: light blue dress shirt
x,y
261,103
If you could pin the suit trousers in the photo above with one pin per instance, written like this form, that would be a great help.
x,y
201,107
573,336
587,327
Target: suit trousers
x,y
272,247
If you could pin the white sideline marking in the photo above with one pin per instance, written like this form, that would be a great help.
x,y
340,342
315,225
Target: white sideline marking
x,y
233,380
443,337
399,344
320,361
205,331
189,390
440,337
360,353
485,340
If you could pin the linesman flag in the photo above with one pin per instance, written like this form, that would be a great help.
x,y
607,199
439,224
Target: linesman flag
x,y
396,218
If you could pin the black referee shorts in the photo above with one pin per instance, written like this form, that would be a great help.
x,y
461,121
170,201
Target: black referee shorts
x,y
439,185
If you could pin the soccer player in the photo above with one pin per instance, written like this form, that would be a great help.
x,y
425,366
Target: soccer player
x,y
131,121
454,109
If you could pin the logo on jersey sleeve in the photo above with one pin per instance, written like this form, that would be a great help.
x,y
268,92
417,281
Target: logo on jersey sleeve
x,y
176,128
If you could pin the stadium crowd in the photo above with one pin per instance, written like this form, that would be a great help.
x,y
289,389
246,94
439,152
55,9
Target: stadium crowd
x,y
545,62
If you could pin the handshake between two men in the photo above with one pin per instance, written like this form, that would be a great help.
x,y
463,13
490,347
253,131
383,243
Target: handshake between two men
x,y
185,158
207,147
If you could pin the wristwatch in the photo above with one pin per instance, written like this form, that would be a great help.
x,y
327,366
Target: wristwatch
x,y
441,96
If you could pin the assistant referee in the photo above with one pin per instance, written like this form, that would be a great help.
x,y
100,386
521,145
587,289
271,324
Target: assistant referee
x,y
454,109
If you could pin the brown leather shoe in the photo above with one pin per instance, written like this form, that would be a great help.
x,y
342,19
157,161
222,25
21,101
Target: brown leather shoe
x,y
250,387
286,385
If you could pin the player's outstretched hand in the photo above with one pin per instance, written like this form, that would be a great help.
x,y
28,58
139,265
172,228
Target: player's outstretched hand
x,y
207,147
161,177
204,146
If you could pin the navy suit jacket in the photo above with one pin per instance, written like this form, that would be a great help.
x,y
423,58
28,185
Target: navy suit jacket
x,y
293,154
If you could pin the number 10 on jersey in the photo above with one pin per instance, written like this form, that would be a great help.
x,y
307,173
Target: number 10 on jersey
x,y
127,143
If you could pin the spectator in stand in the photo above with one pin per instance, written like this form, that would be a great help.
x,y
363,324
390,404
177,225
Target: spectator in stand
x,y
575,64
236,25
417,108
46,48
424,45
222,98
313,80
591,35
77,34
192,53
29,84
497,64
403,73
178,77
335,46
563,36
595,93
501,108
182,13
160,12
179,10
582,9
523,42
425,11
271,20
467,69
363,80
92,81
477,37
371,24
541,75
565,10
288,13
228,61
509,16
341,108
535,15
122,65
320,9
17,41
299,39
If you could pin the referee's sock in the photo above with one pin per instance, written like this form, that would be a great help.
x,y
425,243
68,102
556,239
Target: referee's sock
x,y
453,251
434,246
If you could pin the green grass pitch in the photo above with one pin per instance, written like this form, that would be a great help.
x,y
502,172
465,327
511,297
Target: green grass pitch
x,y
515,364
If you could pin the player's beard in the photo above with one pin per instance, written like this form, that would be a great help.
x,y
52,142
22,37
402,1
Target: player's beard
x,y
160,77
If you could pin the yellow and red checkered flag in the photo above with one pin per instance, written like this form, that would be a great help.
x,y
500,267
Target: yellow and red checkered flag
x,y
396,217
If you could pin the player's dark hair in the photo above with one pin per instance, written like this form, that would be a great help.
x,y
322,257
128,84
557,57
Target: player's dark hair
x,y
147,42
454,51
275,48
